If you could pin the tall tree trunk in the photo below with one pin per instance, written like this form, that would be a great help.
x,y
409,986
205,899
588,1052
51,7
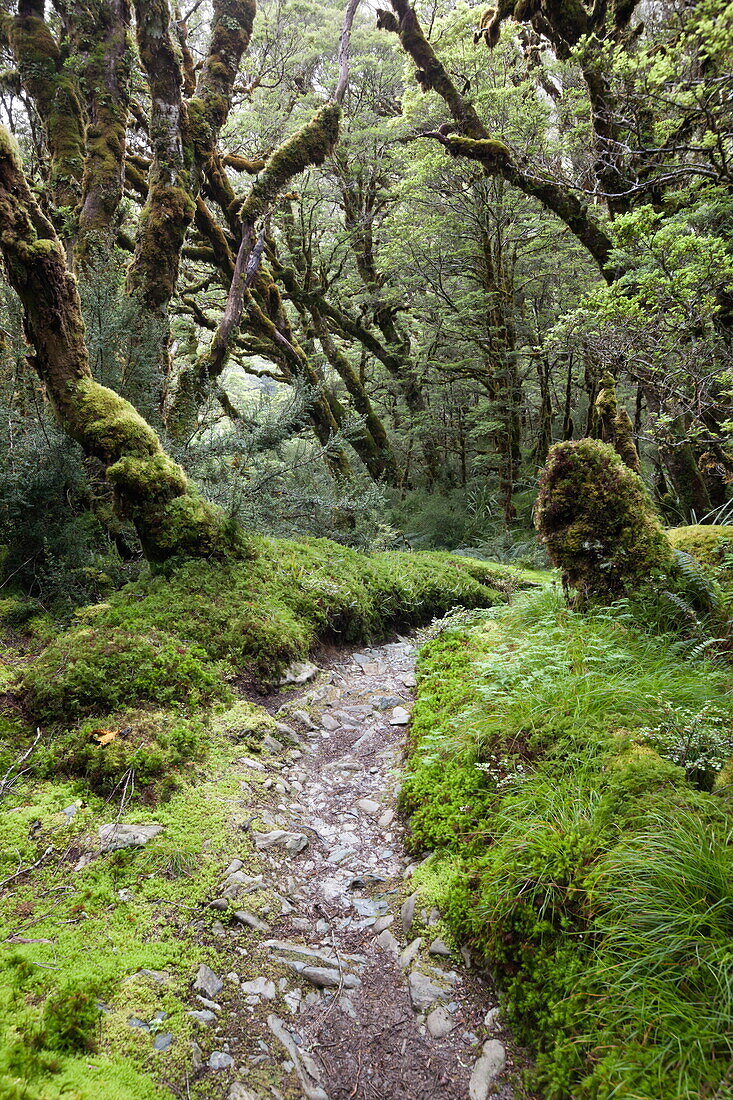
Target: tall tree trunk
x,y
151,489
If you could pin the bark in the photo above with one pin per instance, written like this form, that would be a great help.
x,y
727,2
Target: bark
x,y
150,488
105,47
53,87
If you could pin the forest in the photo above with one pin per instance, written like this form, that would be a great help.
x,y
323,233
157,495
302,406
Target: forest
x,y
366,549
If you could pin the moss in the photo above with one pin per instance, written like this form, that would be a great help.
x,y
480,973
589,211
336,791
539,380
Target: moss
x,y
308,146
614,424
708,544
487,150
172,637
597,521
111,425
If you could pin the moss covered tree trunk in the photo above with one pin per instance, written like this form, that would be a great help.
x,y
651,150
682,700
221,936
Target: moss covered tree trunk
x,y
150,488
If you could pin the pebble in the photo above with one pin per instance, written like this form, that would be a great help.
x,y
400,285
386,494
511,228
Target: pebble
x,y
115,836
281,838
410,953
439,947
203,1015
162,1040
491,1019
400,717
381,923
408,913
299,672
369,806
262,987
244,917
423,993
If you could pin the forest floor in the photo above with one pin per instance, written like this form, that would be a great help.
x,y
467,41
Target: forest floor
x,y
358,995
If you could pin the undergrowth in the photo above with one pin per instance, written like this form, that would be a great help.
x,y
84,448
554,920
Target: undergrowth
x,y
569,772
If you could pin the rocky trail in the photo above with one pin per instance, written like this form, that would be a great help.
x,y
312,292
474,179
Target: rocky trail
x,y
341,987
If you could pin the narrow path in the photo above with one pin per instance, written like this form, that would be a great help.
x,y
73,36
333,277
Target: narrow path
x,y
373,1004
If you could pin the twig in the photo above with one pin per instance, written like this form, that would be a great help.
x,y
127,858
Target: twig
x,y
25,870
9,780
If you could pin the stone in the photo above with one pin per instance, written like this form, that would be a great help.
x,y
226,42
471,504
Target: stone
x,y
491,1019
386,819
271,744
221,904
408,913
338,855
134,1021
281,838
70,812
304,718
207,1003
409,680
423,993
381,923
400,717
330,723
202,1015
261,987
369,806
410,953
305,1065
115,836
239,1092
439,1023
299,672
384,702
162,1040
125,895
387,942
439,947
219,1059
486,1069
253,922
235,865
207,982
324,977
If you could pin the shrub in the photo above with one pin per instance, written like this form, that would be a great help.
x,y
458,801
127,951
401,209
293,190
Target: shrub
x,y
597,521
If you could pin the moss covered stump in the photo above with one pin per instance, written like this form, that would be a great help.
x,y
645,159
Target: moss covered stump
x,y
597,522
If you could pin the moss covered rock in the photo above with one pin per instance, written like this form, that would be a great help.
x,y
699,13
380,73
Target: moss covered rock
x,y
708,544
597,521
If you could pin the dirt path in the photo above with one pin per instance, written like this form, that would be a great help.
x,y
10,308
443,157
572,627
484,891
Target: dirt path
x,y
356,995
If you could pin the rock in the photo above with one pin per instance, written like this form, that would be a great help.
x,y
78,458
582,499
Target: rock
x,y
235,865
439,947
197,1056
115,836
207,1003
70,812
271,744
369,907
386,819
221,904
134,1021
338,855
261,987
162,977
369,806
387,942
409,955
439,1023
281,838
299,672
287,731
400,717
239,1092
238,883
162,1040
202,1015
487,1068
329,722
219,1059
408,913
305,1066
304,718
423,993
207,982
125,895
251,921
324,977
491,1019
381,923
409,680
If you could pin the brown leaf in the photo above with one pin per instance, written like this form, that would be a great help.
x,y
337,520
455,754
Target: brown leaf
x,y
103,737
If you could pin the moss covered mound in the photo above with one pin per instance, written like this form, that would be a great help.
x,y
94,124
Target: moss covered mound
x,y
708,544
181,637
597,521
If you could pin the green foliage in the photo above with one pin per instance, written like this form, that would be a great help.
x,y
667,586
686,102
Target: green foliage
x,y
597,521
535,771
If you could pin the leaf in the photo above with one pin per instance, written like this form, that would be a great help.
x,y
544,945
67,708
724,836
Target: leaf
x,y
103,737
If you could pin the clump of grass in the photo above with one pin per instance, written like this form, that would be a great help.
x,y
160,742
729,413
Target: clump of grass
x,y
574,851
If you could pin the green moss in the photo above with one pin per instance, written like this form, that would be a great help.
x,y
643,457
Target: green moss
x,y
487,150
173,637
597,521
112,426
707,544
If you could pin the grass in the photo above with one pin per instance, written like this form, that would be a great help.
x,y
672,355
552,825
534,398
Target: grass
x,y
574,851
